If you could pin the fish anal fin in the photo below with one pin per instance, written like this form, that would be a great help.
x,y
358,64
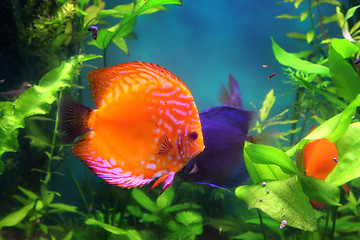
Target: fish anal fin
x,y
167,179
164,145
73,119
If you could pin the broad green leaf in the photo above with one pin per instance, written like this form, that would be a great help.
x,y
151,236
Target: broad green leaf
x,y
121,43
346,80
35,100
262,154
69,235
132,234
267,105
263,172
291,60
165,199
144,200
284,201
17,216
188,217
319,190
348,167
344,47
181,207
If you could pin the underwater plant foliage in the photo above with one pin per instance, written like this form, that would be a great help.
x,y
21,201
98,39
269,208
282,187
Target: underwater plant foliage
x,y
279,193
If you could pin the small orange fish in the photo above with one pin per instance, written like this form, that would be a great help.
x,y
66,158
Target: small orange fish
x,y
146,125
319,158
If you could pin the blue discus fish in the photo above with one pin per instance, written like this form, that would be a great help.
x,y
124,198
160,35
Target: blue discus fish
x,y
225,129
221,164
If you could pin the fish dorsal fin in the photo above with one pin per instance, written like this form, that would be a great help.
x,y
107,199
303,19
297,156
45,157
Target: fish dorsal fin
x,y
125,77
164,145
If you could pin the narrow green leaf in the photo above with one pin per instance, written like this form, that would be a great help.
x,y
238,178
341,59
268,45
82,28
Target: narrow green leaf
x,y
15,217
263,154
284,201
267,105
348,167
144,200
297,36
351,12
132,234
28,193
291,60
297,3
346,80
287,16
63,207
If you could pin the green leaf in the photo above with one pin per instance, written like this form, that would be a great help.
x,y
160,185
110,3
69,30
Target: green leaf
x,y
165,199
263,154
291,60
304,15
284,201
188,217
267,105
348,167
144,200
15,217
121,43
69,235
28,193
320,191
346,80
310,36
344,47
60,207
351,12
297,36
35,100
287,16
132,234
263,172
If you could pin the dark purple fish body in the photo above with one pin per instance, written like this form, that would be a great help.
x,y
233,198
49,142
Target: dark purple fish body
x,y
221,164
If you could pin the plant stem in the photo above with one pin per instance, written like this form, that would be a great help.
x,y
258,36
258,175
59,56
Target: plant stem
x,y
78,188
334,208
124,208
90,191
48,174
262,225
104,57
326,224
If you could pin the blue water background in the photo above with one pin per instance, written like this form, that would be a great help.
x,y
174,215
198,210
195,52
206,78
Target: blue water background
x,y
204,41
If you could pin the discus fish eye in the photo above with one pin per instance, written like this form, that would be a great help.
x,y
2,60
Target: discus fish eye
x,y
193,135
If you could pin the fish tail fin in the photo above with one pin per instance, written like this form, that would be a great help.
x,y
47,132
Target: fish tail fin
x,y
73,119
269,137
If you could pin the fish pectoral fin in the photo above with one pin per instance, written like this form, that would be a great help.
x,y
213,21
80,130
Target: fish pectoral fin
x,y
167,179
164,145
195,169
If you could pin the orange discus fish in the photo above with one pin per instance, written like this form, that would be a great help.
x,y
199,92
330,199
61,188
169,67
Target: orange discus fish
x,y
319,158
146,125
